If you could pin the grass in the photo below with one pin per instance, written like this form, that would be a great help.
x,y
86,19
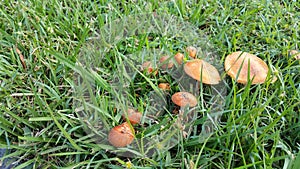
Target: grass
x,y
42,127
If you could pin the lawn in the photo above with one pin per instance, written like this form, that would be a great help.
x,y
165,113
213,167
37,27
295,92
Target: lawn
x,y
70,69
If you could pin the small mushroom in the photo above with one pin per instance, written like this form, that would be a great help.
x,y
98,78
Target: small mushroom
x,y
164,86
183,99
166,62
133,116
192,51
237,62
198,68
179,58
147,66
121,135
295,53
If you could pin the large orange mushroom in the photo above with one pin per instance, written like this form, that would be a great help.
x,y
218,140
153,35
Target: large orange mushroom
x,y
121,135
238,63
183,99
198,68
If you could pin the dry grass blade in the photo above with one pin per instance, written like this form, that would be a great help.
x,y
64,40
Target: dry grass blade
x,y
21,56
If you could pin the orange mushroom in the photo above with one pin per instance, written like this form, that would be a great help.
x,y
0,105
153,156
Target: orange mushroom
x,y
179,58
133,116
198,68
192,51
183,99
237,62
166,62
121,135
147,66
164,86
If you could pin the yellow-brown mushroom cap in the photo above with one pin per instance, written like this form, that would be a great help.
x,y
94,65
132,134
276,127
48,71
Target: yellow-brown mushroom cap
x,y
198,68
184,99
238,61
121,135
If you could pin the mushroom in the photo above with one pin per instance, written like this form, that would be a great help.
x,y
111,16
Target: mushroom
x,y
164,86
237,62
295,53
198,68
179,58
183,99
148,66
192,51
121,135
163,61
133,116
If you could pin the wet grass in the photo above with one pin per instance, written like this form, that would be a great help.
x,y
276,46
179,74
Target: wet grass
x,y
41,126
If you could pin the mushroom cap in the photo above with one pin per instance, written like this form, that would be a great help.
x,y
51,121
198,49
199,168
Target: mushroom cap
x,y
147,66
198,67
121,135
239,61
179,58
164,86
134,116
192,51
166,62
184,99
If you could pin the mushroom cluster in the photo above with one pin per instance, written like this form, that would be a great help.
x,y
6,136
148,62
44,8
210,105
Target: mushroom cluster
x,y
198,69
241,66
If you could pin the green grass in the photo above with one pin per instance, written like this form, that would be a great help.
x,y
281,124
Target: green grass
x,y
41,127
